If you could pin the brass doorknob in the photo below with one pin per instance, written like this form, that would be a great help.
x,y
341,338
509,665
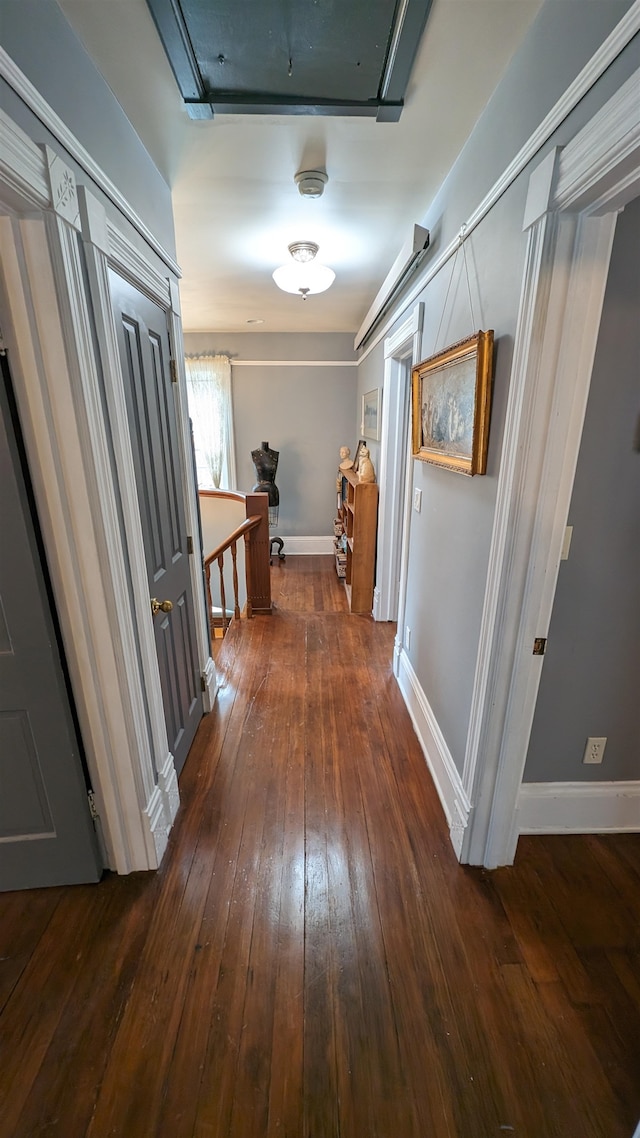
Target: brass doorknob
x,y
160,606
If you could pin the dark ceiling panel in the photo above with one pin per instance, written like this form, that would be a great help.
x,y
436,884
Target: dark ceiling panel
x,y
332,49
292,56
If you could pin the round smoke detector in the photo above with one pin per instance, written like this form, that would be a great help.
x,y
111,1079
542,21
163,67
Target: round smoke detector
x,y
311,183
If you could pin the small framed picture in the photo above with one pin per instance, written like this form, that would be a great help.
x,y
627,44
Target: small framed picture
x,y
362,445
371,414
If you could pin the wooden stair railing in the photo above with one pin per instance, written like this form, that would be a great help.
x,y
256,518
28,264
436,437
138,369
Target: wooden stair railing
x,y
230,543
255,532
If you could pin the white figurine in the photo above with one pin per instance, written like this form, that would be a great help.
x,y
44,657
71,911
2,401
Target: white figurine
x,y
346,462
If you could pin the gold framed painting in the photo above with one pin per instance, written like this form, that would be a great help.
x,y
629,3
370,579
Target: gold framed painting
x,y
451,401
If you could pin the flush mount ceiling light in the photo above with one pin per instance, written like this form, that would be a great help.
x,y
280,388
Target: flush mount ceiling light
x,y
303,274
311,183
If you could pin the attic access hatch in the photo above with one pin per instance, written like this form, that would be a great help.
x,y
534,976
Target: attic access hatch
x,y
292,57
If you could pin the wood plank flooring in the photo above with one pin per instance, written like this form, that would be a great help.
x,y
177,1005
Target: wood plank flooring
x,y
311,961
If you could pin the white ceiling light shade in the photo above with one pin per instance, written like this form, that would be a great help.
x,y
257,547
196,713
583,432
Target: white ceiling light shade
x,y
303,274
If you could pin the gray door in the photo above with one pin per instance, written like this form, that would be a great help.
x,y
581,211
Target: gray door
x,y
145,356
46,833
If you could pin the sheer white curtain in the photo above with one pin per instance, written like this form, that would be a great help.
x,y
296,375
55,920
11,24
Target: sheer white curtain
x,y
211,413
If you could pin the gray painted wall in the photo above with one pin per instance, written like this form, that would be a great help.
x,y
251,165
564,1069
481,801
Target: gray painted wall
x,y
370,376
450,538
305,413
560,42
38,38
589,682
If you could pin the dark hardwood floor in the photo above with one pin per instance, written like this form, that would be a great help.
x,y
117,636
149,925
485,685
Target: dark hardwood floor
x,y
311,961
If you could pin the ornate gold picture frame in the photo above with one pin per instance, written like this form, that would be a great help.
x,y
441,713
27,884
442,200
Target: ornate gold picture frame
x,y
451,401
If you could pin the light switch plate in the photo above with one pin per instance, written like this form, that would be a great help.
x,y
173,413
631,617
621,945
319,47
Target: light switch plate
x,y
417,500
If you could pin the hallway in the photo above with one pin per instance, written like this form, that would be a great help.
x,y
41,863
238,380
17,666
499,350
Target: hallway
x,y
311,961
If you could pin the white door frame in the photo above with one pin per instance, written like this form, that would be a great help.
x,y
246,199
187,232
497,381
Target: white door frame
x,y
570,215
81,465
401,352
106,247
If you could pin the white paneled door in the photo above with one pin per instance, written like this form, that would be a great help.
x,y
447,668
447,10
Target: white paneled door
x,y
46,832
143,343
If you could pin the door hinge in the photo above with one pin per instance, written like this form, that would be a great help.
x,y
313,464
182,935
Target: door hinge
x,y
3,346
189,543
203,684
173,369
93,809
539,646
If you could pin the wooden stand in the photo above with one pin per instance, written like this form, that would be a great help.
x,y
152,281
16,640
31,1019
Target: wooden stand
x,y
358,517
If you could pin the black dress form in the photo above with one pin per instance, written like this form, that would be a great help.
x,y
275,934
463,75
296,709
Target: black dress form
x,y
265,461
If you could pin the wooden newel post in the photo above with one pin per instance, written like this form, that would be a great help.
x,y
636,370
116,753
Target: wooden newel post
x,y
257,556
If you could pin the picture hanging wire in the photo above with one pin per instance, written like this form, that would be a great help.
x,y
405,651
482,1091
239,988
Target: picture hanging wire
x,y
466,271
461,245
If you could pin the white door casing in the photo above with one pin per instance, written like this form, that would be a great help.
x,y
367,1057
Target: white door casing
x,y
401,352
95,567
108,247
570,217
48,375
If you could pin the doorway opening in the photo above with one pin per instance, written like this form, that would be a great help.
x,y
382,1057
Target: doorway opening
x,y
401,351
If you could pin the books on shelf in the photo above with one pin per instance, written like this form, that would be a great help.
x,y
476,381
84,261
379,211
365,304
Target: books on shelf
x,y
354,530
340,550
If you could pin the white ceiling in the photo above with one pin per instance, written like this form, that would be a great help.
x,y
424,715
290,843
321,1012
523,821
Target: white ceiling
x,y
235,202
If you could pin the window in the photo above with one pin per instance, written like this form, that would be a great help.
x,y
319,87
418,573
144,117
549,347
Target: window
x,y
210,410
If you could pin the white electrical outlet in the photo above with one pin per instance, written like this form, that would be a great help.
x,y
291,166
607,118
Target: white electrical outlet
x,y
594,750
417,500
407,638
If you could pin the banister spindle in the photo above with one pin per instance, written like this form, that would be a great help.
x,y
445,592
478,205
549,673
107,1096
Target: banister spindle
x,y
247,567
223,601
236,593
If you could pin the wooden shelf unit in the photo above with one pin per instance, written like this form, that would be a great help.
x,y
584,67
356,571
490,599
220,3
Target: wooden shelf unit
x,y
358,514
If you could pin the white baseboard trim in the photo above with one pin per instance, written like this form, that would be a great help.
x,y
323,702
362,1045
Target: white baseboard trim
x,y
397,653
168,783
159,826
578,807
307,545
210,685
443,770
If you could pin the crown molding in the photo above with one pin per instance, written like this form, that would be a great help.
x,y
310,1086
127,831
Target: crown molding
x,y
615,43
24,88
